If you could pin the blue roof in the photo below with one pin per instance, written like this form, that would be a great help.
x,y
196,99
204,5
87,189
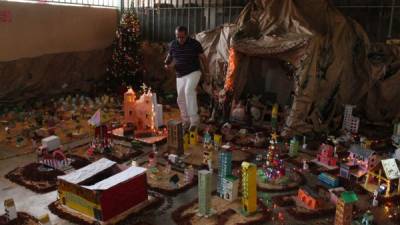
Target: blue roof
x,y
358,150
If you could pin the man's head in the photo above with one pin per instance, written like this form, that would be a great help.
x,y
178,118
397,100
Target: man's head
x,y
181,34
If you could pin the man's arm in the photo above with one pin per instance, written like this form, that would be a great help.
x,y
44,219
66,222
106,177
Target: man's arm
x,y
168,62
168,59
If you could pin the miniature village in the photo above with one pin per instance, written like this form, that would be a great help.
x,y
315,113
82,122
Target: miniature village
x,y
92,153
314,140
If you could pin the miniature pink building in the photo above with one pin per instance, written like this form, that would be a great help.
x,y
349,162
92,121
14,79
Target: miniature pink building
x,y
327,155
139,112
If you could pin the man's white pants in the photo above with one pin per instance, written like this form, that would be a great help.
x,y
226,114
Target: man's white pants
x,y
187,97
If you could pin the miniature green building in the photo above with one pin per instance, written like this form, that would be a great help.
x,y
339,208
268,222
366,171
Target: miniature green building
x,y
204,192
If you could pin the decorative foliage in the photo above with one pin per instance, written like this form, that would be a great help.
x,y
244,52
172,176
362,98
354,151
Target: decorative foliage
x,y
125,68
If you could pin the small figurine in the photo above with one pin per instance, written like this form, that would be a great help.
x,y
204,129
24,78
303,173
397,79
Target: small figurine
x,y
152,159
227,132
19,141
238,113
90,153
207,159
155,150
305,165
174,181
304,147
207,142
168,167
375,202
368,218
274,116
8,134
259,139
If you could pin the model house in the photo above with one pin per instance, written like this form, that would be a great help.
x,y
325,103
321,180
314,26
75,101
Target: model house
x,y
326,156
230,188
384,177
360,160
309,197
102,190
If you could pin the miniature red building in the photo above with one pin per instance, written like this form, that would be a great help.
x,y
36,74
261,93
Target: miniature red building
x,y
103,190
327,155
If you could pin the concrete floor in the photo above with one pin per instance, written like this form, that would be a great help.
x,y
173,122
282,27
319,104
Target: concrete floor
x,y
36,204
25,200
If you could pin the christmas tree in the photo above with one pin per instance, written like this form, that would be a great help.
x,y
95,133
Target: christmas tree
x,y
125,68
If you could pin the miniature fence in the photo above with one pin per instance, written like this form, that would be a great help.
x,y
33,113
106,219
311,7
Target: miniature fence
x,y
57,164
159,18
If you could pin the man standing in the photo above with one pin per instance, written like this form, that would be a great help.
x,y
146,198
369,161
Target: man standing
x,y
187,56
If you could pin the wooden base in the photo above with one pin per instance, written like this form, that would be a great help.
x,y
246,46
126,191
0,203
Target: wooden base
x,y
79,218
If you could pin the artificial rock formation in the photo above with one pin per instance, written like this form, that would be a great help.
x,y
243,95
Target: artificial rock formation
x,y
334,62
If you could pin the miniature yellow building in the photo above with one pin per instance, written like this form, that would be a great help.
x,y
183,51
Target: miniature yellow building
x,y
249,184
384,175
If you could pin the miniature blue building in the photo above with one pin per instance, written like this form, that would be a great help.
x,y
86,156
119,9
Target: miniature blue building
x,y
225,167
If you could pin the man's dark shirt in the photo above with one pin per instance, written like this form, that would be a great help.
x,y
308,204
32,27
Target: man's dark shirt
x,y
186,56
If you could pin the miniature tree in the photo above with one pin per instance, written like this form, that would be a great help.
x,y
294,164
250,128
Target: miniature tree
x,y
125,67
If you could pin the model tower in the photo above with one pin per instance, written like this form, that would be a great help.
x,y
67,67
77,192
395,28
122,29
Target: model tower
x,y
350,122
249,184
175,136
344,208
225,167
204,193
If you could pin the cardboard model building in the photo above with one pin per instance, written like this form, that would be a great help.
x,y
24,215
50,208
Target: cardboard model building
x,y
144,113
328,53
385,177
102,190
